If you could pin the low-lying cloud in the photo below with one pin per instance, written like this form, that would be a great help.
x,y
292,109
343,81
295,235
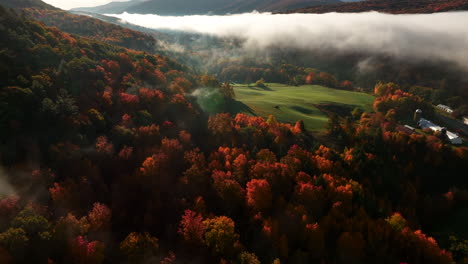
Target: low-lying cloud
x,y
440,36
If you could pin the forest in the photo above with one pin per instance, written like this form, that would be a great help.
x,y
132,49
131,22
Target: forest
x,y
107,157
92,28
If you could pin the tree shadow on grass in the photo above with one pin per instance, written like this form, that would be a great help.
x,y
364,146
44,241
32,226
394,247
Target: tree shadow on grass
x,y
302,110
235,107
264,88
341,110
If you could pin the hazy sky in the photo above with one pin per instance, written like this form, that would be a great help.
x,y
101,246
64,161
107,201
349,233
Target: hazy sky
x,y
68,4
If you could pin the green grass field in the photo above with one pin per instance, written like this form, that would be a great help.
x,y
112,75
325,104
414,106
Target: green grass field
x,y
292,103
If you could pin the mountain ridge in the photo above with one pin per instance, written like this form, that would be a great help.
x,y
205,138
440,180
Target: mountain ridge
x,y
388,6
182,7
112,7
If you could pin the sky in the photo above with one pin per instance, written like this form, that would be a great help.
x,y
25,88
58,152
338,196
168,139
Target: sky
x,y
441,36
68,4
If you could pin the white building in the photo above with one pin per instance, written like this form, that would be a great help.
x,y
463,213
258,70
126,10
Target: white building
x,y
454,138
445,108
465,120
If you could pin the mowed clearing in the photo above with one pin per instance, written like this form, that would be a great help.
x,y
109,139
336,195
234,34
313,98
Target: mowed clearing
x,y
292,103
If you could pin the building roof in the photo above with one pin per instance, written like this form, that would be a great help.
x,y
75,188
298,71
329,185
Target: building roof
x,y
445,107
453,137
424,123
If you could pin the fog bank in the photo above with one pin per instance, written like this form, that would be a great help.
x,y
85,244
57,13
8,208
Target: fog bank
x,y
440,36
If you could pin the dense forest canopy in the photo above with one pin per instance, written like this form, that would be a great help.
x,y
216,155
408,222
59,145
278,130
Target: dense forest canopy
x,y
108,157
83,25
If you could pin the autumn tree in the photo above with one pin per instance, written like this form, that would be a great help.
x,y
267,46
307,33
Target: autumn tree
x,y
266,155
396,221
83,251
259,195
227,90
248,258
230,191
312,196
334,127
139,247
260,83
104,146
15,242
220,235
192,227
99,217
221,125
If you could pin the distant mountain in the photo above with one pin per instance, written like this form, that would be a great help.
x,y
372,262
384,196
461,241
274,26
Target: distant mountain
x,y
110,8
389,6
271,5
184,7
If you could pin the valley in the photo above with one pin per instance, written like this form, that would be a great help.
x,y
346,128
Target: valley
x,y
292,103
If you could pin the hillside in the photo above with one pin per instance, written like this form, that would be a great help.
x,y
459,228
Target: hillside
x,y
89,27
83,25
389,6
181,7
110,8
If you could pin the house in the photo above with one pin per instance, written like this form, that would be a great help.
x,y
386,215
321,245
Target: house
x,y
454,138
445,108
424,123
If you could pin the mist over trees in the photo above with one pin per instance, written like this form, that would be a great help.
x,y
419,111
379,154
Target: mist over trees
x,y
290,53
